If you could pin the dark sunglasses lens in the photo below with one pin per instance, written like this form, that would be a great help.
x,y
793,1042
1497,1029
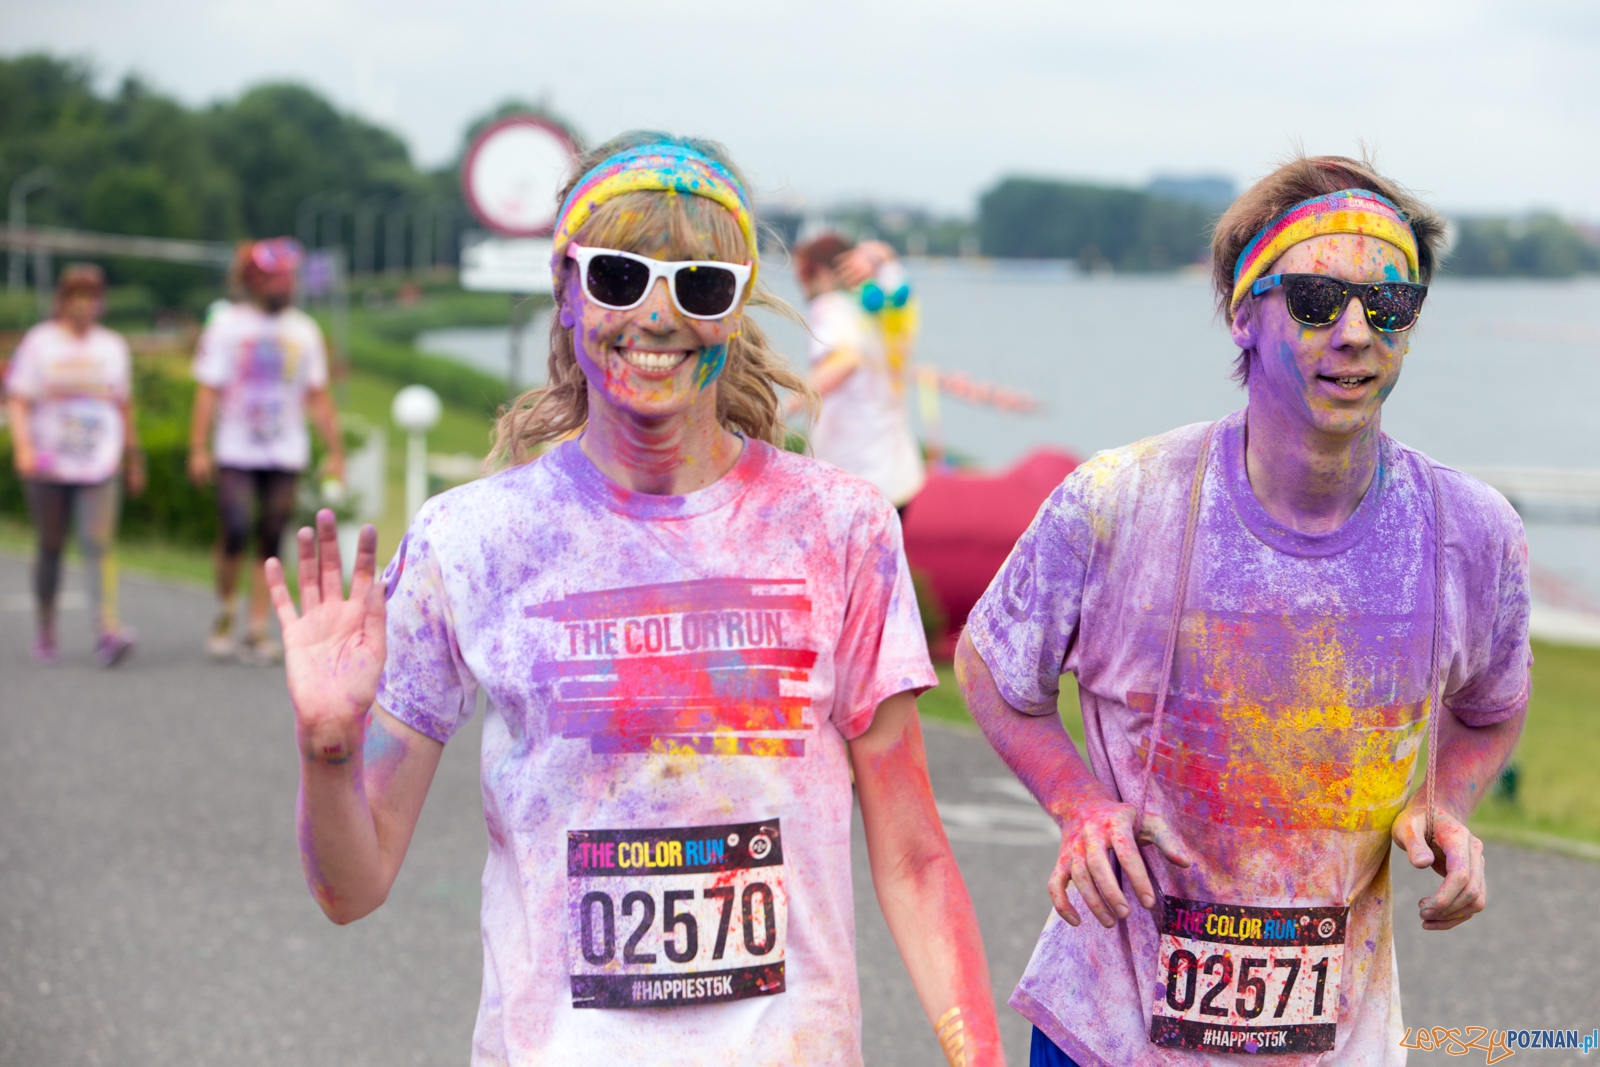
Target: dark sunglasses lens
x,y
617,282
1315,301
1393,307
706,290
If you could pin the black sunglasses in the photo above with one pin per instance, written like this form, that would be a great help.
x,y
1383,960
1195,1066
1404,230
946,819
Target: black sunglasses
x,y
1319,300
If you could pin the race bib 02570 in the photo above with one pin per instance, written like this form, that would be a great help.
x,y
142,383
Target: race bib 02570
x,y
667,917
1248,980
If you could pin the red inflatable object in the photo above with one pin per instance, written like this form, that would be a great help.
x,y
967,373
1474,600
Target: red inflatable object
x,y
962,525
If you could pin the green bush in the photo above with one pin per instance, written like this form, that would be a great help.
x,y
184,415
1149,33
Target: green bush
x,y
454,382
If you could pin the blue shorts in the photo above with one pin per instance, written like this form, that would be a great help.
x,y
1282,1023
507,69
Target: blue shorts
x,y
1044,1053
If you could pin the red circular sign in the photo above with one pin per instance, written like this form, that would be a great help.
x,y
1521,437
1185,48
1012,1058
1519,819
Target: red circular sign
x,y
513,171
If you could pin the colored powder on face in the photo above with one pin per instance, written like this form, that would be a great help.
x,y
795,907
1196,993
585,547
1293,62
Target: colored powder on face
x,y
1353,211
712,359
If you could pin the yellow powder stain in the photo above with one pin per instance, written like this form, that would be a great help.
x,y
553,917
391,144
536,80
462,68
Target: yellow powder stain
x,y
1286,745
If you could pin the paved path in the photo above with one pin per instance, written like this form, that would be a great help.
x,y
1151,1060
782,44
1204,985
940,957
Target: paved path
x,y
152,909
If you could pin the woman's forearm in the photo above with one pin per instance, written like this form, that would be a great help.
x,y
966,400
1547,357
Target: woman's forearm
x,y
360,798
21,432
338,838
919,886
835,367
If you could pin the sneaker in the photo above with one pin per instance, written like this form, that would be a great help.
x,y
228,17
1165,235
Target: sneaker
x,y
259,650
220,645
114,646
44,652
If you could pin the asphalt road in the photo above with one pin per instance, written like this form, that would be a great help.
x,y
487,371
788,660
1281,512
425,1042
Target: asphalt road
x,y
152,909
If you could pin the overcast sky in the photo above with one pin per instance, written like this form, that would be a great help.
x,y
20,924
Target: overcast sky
x,y
1478,105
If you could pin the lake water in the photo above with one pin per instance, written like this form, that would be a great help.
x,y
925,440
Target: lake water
x,y
1500,372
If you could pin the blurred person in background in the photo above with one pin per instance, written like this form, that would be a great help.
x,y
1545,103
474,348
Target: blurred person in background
x,y
262,368
690,641
861,317
69,401
1270,620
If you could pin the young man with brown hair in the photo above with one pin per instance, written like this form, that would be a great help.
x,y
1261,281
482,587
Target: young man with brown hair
x,y
1270,618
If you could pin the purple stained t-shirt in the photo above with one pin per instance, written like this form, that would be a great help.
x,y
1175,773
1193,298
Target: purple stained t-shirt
x,y
670,684
1288,746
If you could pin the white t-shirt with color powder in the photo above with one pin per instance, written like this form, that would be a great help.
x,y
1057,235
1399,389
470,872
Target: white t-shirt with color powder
x,y
262,366
670,683
1289,744
75,387
864,426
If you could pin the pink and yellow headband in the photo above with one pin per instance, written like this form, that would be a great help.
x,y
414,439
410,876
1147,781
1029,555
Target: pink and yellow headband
x,y
1347,211
661,166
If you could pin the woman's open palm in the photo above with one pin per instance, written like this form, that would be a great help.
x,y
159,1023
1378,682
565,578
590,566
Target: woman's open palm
x,y
334,645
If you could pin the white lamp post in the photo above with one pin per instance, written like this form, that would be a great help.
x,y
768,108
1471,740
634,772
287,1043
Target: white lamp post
x,y
416,410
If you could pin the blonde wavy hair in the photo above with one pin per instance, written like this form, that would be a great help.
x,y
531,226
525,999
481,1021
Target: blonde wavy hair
x,y
666,226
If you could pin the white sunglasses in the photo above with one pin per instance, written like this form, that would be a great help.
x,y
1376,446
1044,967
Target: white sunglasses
x,y
701,289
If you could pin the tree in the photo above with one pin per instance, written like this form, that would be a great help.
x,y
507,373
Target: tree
x,y
1099,226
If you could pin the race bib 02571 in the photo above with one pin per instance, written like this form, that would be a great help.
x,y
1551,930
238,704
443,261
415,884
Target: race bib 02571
x,y
1248,980
667,917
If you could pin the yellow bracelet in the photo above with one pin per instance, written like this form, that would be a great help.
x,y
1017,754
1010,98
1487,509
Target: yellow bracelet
x,y
951,1031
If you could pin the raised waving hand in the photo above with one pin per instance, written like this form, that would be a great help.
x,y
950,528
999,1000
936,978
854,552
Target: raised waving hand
x,y
333,645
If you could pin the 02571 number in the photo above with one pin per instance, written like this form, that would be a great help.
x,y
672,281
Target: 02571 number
x,y
680,929
1185,969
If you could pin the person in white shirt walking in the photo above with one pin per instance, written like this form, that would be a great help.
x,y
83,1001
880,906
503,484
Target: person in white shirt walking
x,y
70,405
262,368
860,372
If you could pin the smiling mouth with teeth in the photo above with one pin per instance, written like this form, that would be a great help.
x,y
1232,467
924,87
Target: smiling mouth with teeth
x,y
657,361
1350,382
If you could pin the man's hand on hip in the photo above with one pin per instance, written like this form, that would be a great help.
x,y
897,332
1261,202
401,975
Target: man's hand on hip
x,y
1455,853
1088,832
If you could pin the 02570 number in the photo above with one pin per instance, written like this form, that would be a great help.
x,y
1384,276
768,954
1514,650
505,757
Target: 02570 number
x,y
680,929
1185,970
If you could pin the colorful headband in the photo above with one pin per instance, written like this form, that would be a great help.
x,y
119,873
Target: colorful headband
x,y
1347,211
663,166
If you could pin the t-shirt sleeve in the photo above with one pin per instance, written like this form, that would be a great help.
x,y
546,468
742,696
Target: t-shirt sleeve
x,y
22,376
1026,621
1496,629
834,325
882,649
211,363
425,682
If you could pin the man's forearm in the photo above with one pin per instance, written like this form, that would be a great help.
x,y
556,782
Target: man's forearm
x,y
1035,747
1470,759
205,399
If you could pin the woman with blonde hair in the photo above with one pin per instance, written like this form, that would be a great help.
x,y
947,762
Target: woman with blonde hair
x,y
689,641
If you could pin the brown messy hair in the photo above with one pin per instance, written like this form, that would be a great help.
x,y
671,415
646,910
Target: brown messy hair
x,y
668,226
821,253
1303,177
